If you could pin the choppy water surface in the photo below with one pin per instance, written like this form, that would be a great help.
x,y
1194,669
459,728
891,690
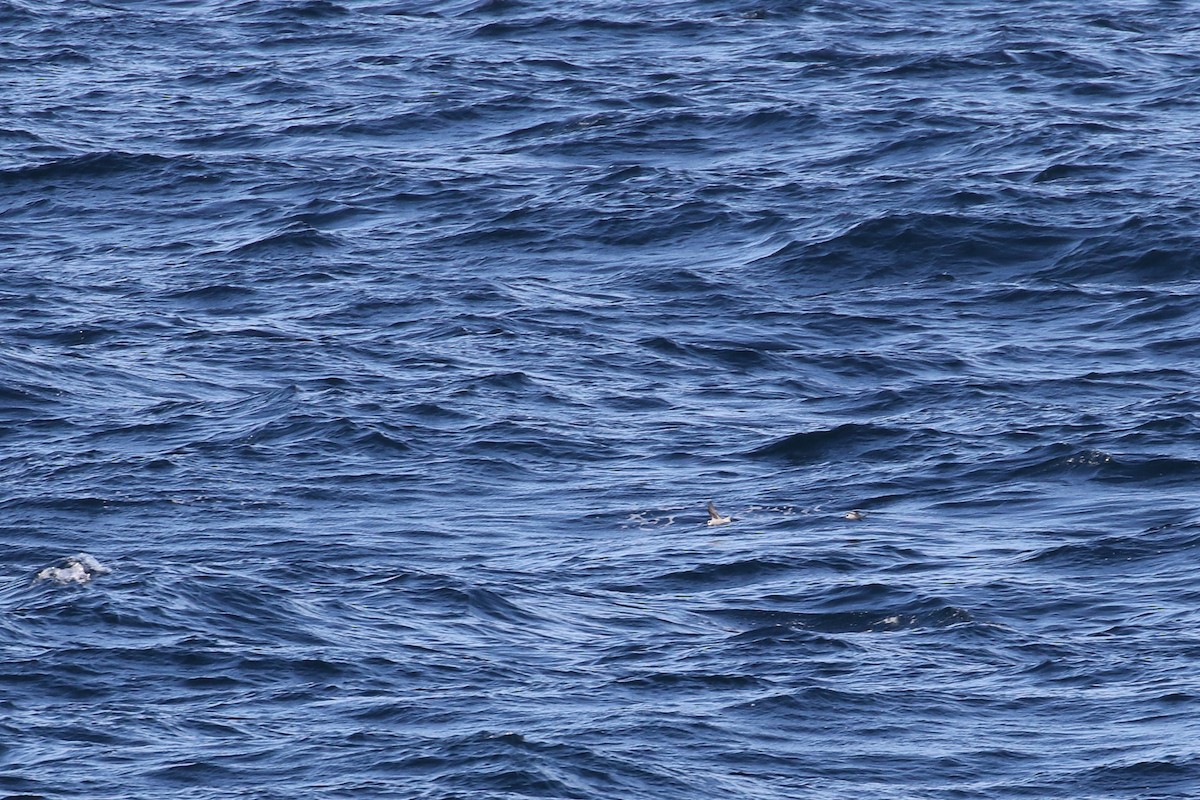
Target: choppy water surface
x,y
387,354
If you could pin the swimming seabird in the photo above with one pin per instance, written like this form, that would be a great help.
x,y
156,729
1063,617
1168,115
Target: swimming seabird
x,y
855,515
715,518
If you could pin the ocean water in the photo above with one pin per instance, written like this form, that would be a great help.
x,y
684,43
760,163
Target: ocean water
x,y
366,368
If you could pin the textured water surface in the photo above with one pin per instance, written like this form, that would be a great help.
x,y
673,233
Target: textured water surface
x,y
365,369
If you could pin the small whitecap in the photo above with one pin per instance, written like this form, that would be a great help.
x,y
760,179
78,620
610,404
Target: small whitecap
x,y
79,568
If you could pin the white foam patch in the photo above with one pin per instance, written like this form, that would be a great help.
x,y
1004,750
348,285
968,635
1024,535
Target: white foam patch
x,y
79,568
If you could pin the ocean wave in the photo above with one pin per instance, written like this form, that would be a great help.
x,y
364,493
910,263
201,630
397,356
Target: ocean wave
x,y
914,246
850,440
388,355
86,166
767,625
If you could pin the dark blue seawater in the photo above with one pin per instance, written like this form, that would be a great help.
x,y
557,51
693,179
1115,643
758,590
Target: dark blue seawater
x,y
386,353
